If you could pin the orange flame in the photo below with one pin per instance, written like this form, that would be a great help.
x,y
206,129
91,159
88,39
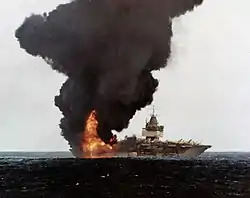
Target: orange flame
x,y
93,146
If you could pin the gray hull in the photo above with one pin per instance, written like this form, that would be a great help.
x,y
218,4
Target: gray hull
x,y
183,151
191,152
194,151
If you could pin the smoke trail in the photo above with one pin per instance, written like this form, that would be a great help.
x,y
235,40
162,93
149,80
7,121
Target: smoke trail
x,y
107,48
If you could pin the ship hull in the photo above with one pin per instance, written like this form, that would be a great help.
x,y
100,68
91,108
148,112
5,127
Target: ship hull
x,y
141,147
195,151
186,153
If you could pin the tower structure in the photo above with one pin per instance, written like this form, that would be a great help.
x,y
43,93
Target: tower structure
x,y
152,129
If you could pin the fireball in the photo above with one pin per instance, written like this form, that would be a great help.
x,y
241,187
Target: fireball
x,y
93,146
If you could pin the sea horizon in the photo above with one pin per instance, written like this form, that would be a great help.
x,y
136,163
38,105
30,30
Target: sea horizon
x,y
228,155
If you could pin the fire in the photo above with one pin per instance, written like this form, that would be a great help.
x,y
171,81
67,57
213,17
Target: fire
x,y
93,146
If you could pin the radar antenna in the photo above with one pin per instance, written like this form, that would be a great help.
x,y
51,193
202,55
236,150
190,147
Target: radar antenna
x,y
153,113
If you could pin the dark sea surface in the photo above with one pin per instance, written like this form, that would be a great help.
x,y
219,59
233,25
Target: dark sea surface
x,y
59,175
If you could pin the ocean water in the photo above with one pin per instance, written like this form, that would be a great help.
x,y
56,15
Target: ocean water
x,y
58,175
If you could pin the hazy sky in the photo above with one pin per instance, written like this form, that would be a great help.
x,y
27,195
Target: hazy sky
x,y
204,93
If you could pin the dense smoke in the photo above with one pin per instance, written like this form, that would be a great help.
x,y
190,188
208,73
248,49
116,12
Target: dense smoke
x,y
108,49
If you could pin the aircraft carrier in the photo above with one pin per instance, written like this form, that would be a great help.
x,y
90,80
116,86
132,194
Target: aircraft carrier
x,y
151,144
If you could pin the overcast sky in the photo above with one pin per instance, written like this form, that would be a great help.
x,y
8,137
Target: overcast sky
x,y
204,92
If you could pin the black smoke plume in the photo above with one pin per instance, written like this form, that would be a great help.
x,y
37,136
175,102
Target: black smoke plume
x,y
107,49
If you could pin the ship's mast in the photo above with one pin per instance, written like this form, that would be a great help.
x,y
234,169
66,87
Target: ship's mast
x,y
153,112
